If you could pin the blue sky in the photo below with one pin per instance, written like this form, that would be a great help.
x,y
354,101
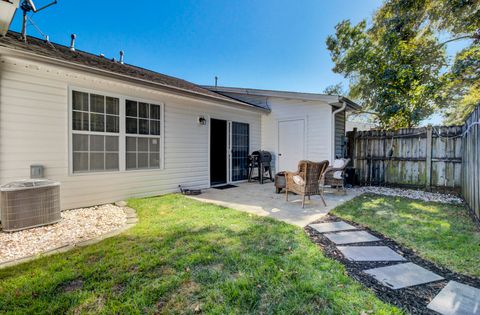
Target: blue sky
x,y
272,44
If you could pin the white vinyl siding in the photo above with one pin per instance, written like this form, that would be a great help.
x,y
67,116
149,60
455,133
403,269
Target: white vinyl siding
x,y
318,122
34,129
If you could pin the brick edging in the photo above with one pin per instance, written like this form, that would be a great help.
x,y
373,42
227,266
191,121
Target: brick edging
x,y
132,219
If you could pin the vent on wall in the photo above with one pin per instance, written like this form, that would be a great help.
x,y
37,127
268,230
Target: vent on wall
x,y
29,203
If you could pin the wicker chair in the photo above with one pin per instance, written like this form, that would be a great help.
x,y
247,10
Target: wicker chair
x,y
335,176
307,181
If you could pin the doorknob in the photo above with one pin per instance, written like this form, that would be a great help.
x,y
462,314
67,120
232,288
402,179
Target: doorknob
x,y
279,154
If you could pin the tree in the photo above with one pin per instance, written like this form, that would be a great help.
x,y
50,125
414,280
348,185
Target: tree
x,y
398,66
336,89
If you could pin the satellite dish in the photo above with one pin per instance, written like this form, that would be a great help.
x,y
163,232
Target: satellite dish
x,y
7,11
29,6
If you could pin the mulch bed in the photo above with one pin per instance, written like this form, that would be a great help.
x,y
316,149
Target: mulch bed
x,y
412,299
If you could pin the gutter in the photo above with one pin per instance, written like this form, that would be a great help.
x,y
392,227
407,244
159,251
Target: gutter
x,y
341,109
172,89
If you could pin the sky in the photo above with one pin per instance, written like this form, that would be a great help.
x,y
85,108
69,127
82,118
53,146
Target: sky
x,y
264,44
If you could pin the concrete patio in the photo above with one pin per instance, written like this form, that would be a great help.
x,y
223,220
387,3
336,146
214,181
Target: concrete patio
x,y
262,200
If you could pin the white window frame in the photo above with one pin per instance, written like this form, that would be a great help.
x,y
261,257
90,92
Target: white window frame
x,y
122,135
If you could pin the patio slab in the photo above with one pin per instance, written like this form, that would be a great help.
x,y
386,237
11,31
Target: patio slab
x,y
457,299
351,237
262,200
332,227
403,275
370,253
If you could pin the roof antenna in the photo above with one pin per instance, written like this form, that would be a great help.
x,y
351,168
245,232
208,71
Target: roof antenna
x,y
216,81
28,6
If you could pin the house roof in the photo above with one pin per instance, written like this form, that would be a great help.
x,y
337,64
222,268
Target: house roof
x,y
333,100
94,63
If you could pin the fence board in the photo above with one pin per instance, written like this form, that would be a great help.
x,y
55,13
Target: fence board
x,y
471,168
420,157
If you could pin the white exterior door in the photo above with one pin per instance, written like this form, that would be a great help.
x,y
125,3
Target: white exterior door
x,y
291,144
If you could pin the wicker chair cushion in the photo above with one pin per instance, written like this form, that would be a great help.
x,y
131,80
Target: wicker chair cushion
x,y
339,163
338,175
298,180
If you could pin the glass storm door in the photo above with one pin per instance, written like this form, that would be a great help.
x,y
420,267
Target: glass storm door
x,y
239,150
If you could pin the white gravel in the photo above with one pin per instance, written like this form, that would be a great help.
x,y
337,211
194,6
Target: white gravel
x,y
76,226
410,193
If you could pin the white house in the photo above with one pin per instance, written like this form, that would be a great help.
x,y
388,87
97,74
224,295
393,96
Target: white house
x,y
108,131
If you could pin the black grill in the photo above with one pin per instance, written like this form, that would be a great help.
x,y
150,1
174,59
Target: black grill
x,y
260,160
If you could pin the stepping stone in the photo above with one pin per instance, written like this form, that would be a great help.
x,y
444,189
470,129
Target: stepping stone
x,y
403,275
351,237
370,253
455,299
332,227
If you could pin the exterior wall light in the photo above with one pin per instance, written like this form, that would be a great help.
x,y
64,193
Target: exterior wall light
x,y
202,121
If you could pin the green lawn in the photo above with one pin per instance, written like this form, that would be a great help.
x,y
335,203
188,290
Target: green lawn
x,y
188,257
441,233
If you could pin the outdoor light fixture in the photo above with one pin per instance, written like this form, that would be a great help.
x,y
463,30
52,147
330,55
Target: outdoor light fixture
x,y
7,11
202,121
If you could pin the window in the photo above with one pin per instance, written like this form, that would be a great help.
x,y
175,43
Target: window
x,y
143,120
95,128
100,123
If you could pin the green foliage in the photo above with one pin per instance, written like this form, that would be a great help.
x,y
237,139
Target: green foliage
x,y
336,89
398,67
187,257
442,233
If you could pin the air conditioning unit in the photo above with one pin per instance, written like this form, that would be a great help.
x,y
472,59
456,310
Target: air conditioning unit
x,y
29,203
7,11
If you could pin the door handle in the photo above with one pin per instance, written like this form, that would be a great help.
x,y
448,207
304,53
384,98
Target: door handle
x,y
279,154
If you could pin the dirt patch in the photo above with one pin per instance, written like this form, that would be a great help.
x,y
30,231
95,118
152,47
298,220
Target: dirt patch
x,y
71,286
413,299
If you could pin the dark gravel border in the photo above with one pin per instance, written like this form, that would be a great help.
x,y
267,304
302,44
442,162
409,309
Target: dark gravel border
x,y
412,299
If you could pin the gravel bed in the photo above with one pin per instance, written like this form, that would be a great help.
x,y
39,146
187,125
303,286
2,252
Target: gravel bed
x,y
410,193
76,226
412,299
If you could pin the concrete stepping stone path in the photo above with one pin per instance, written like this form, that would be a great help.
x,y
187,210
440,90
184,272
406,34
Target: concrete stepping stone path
x,y
351,237
403,275
370,253
332,227
457,299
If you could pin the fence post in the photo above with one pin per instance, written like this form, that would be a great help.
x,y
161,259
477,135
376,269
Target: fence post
x,y
428,160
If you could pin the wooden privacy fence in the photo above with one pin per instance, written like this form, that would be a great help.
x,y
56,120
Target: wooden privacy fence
x,y
428,157
471,162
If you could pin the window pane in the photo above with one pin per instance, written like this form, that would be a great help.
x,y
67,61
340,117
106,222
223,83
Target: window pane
x,y
142,144
132,125
111,144
80,142
97,122
80,162
97,143
143,126
80,101
80,121
154,111
154,160
131,160
142,160
111,161
131,144
155,127
112,105
97,103
154,145
112,124
97,161
143,110
131,108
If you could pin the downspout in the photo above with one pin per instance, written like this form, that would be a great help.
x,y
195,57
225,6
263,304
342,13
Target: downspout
x,y
341,109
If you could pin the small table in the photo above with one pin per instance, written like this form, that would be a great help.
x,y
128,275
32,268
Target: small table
x,y
280,182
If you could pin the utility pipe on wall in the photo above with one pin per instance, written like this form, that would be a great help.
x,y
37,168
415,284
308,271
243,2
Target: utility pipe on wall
x,y
341,109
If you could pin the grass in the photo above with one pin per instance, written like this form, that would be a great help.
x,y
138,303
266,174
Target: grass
x,y
189,257
442,233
